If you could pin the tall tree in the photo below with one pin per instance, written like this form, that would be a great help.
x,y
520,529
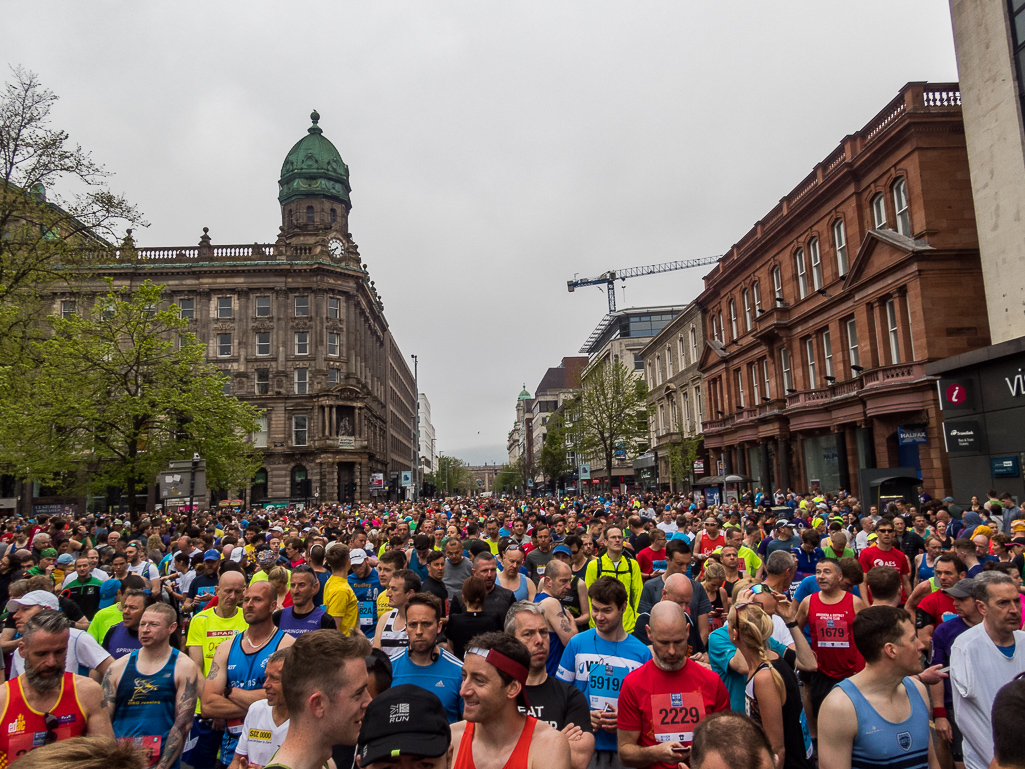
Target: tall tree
x,y
451,475
610,415
682,455
114,398
44,230
554,461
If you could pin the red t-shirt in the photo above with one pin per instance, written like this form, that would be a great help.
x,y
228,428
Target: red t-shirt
x,y
831,637
939,606
873,556
666,707
651,560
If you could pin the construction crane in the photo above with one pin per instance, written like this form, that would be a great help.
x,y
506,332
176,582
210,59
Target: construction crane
x,y
609,278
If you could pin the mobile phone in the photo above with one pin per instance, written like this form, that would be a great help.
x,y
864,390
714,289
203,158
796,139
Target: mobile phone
x,y
679,750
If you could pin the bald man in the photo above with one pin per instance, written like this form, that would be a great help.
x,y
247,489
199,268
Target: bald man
x,y
663,701
555,584
208,630
677,589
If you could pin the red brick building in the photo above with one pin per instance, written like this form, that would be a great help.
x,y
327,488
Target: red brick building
x,y
821,319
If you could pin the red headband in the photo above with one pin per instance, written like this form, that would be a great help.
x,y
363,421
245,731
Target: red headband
x,y
508,666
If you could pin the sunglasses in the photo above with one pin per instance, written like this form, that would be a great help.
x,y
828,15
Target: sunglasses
x,y
51,728
761,589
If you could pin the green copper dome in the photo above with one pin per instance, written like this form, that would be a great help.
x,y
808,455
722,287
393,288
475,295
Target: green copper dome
x,y
525,396
314,169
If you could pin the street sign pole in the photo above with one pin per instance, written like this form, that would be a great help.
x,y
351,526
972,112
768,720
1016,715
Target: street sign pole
x,y
192,488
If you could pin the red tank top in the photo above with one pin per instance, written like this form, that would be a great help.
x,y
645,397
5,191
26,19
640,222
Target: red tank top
x,y
831,636
25,728
518,758
708,544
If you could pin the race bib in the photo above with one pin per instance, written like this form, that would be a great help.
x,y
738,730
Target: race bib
x,y
604,683
658,565
834,634
540,571
234,727
675,716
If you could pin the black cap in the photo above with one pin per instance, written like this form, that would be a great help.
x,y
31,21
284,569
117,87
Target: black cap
x,y
404,720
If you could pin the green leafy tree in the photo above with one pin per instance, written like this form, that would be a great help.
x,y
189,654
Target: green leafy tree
x,y
610,413
682,456
452,476
554,461
507,480
42,231
113,400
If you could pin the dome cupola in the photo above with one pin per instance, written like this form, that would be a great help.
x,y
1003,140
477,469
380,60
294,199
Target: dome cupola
x,y
314,169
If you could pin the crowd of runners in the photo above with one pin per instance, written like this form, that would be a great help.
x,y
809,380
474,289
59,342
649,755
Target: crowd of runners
x,y
778,630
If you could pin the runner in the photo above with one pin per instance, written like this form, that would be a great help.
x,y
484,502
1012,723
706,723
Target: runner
x,y
405,723
596,662
495,735
46,703
324,684
556,584
561,705
266,722
391,628
235,679
830,615
879,716
662,702
883,553
303,615
366,586
339,598
83,655
83,588
624,570
123,638
151,692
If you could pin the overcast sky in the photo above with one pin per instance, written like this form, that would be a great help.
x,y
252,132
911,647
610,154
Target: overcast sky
x,y
495,149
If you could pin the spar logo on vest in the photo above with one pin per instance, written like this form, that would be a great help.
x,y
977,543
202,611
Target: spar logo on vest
x,y
904,740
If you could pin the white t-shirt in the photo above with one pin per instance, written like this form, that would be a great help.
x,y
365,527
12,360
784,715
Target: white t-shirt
x,y
260,736
669,527
84,654
977,671
145,569
780,632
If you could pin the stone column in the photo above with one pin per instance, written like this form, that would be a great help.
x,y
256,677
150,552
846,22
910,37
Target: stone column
x,y
783,455
841,459
763,475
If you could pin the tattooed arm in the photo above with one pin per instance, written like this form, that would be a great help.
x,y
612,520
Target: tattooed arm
x,y
94,705
212,702
111,680
187,678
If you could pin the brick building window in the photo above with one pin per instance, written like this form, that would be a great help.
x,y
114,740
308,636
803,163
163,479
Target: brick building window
x,y
223,345
784,365
816,263
733,320
300,430
658,369
765,378
301,381
263,343
746,295
683,353
777,284
852,342
262,381
879,212
302,306
669,362
715,327
694,343
739,376
224,307
840,244
755,390
900,206
802,273
756,294
809,351
263,307
827,352
892,330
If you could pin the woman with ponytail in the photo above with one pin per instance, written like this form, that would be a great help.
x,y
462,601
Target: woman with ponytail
x,y
772,694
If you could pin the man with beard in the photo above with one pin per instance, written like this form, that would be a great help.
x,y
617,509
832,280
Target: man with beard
x,y
83,653
151,693
423,663
237,672
497,667
663,701
139,565
47,703
561,705
498,599
324,682
555,584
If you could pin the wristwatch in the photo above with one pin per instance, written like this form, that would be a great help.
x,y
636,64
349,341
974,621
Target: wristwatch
x,y
227,690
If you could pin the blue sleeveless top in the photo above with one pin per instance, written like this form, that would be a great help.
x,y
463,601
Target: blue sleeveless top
x,y
881,743
296,627
520,593
925,571
144,709
245,671
555,645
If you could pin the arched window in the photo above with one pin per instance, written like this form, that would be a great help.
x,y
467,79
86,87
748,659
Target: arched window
x,y
756,294
722,328
840,243
258,486
900,206
878,212
816,263
747,310
733,319
802,273
693,344
300,483
777,284
309,215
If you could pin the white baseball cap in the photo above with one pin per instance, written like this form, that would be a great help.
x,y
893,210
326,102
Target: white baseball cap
x,y
357,556
33,598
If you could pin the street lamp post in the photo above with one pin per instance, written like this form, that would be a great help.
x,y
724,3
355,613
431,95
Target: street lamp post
x,y
415,435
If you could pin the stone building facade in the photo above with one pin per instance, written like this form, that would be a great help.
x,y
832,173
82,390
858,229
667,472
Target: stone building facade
x,y
675,403
299,327
822,318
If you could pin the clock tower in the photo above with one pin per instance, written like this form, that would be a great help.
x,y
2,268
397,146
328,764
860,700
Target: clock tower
x,y
314,195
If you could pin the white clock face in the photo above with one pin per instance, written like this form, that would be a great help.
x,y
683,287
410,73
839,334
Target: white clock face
x,y
335,247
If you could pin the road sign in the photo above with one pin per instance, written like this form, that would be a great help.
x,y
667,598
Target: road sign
x,y
585,472
377,480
